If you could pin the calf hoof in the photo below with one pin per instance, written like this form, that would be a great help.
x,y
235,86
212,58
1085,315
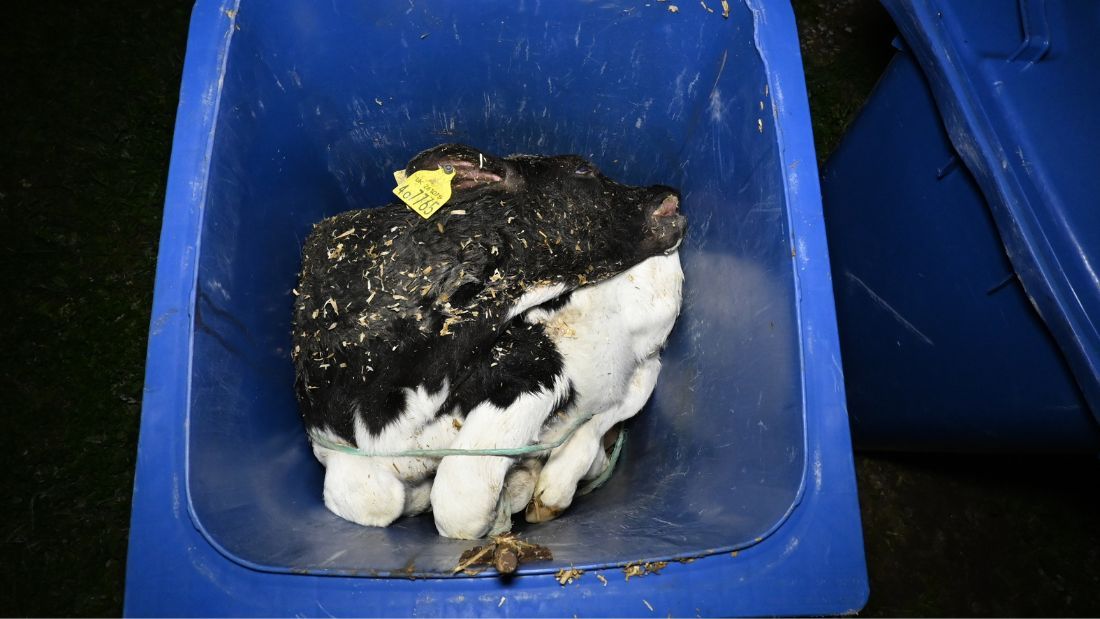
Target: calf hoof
x,y
537,511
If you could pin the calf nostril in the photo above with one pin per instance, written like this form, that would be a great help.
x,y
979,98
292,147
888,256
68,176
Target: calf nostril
x,y
669,207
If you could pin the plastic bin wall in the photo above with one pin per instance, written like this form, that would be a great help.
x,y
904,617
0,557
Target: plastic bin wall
x,y
962,225
290,115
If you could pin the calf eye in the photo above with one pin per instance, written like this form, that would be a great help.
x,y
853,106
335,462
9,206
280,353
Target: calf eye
x,y
584,170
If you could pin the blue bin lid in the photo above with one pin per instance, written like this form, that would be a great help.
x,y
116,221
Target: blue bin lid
x,y
1014,81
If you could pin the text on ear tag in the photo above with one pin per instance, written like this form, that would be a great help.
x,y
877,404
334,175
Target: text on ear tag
x,y
425,191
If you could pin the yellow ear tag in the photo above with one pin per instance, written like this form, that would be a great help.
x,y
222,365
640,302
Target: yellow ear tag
x,y
399,176
425,191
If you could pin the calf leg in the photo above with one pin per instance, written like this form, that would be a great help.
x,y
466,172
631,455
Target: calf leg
x,y
467,492
567,464
602,461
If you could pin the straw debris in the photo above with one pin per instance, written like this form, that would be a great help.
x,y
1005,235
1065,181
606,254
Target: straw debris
x,y
504,552
644,569
567,576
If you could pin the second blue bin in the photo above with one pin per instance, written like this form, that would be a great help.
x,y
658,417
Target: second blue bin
x,y
963,212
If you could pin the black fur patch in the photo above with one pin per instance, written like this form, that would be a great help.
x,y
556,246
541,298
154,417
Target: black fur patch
x,y
523,360
556,303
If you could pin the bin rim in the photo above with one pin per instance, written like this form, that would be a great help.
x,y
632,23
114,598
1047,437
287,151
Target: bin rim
x,y
800,253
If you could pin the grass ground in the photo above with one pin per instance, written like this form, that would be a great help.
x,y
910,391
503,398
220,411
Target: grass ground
x,y
87,104
86,108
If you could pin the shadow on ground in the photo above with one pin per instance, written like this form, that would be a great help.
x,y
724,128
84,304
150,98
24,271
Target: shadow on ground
x,y
950,535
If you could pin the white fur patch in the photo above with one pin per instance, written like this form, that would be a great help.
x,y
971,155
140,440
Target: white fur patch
x,y
418,498
572,461
362,490
610,337
519,485
466,495
375,491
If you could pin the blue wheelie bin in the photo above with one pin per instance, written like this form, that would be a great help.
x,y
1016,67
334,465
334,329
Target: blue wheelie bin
x,y
964,230
739,472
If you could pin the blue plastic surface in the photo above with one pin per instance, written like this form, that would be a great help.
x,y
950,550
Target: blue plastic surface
x,y
287,116
962,224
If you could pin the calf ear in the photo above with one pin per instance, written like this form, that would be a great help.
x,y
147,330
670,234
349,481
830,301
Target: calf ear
x,y
474,170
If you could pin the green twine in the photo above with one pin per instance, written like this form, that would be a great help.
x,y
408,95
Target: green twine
x,y
606,474
506,451
440,453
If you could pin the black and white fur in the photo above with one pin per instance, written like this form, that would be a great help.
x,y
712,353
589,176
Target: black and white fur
x,y
610,336
405,330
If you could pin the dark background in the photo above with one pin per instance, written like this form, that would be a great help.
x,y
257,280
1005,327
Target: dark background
x,y
88,94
